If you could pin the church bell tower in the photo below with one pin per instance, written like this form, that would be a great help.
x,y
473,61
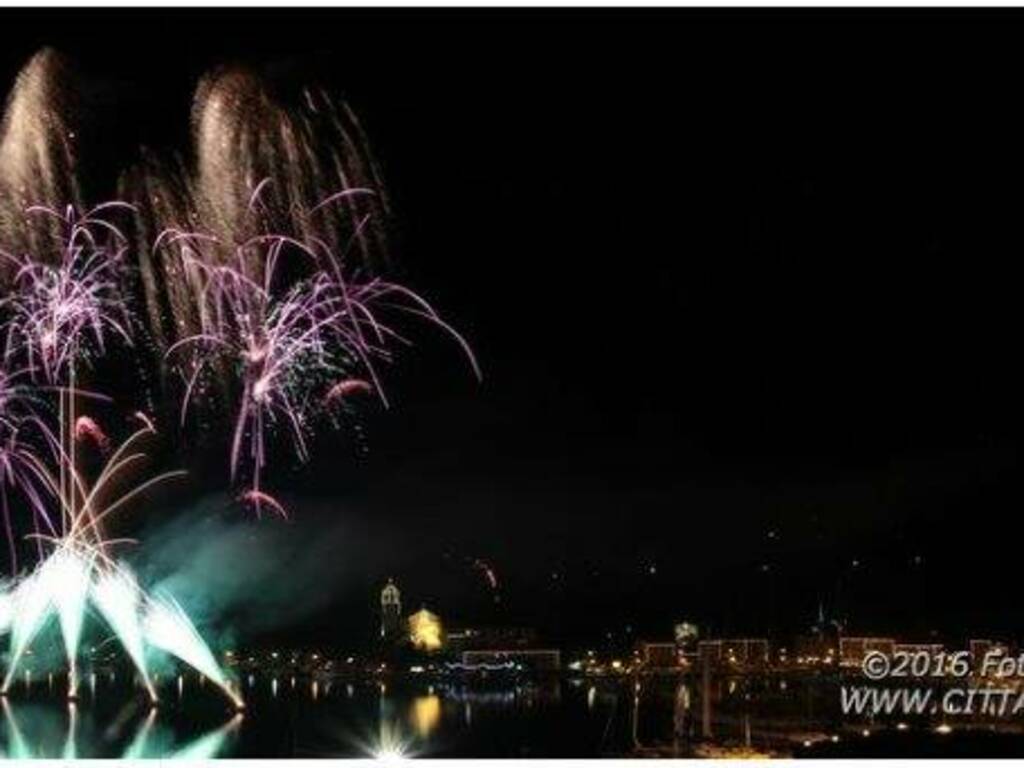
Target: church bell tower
x,y
390,612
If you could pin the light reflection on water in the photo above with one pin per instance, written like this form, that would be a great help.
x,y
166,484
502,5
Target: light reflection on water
x,y
436,717
286,716
34,730
426,714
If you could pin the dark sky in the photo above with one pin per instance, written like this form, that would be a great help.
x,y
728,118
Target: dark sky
x,y
742,285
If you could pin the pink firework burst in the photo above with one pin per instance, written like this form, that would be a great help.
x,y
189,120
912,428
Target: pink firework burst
x,y
86,428
295,348
348,387
69,300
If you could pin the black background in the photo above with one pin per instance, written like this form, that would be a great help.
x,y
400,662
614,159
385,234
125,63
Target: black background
x,y
743,285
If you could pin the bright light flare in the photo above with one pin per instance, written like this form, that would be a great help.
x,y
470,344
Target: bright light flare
x,y
391,746
391,754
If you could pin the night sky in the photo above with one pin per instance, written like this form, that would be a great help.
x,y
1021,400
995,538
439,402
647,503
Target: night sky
x,y
743,286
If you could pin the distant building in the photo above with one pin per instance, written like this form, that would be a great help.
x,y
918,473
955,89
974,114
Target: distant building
x,y
931,650
745,652
980,648
853,650
709,652
659,655
425,631
390,613
814,648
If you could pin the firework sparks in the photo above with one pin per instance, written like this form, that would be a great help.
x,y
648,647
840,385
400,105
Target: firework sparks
x,y
60,311
38,143
487,571
145,421
80,571
64,304
277,344
74,576
19,462
259,499
116,594
265,299
31,607
69,301
294,345
66,573
6,608
168,627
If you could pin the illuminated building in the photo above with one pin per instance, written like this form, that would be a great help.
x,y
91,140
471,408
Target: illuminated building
x,y
930,650
745,652
425,631
659,655
980,648
390,612
816,648
853,650
686,635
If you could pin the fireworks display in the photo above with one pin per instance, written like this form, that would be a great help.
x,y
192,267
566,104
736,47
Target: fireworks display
x,y
247,276
60,307
82,571
295,346
53,315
